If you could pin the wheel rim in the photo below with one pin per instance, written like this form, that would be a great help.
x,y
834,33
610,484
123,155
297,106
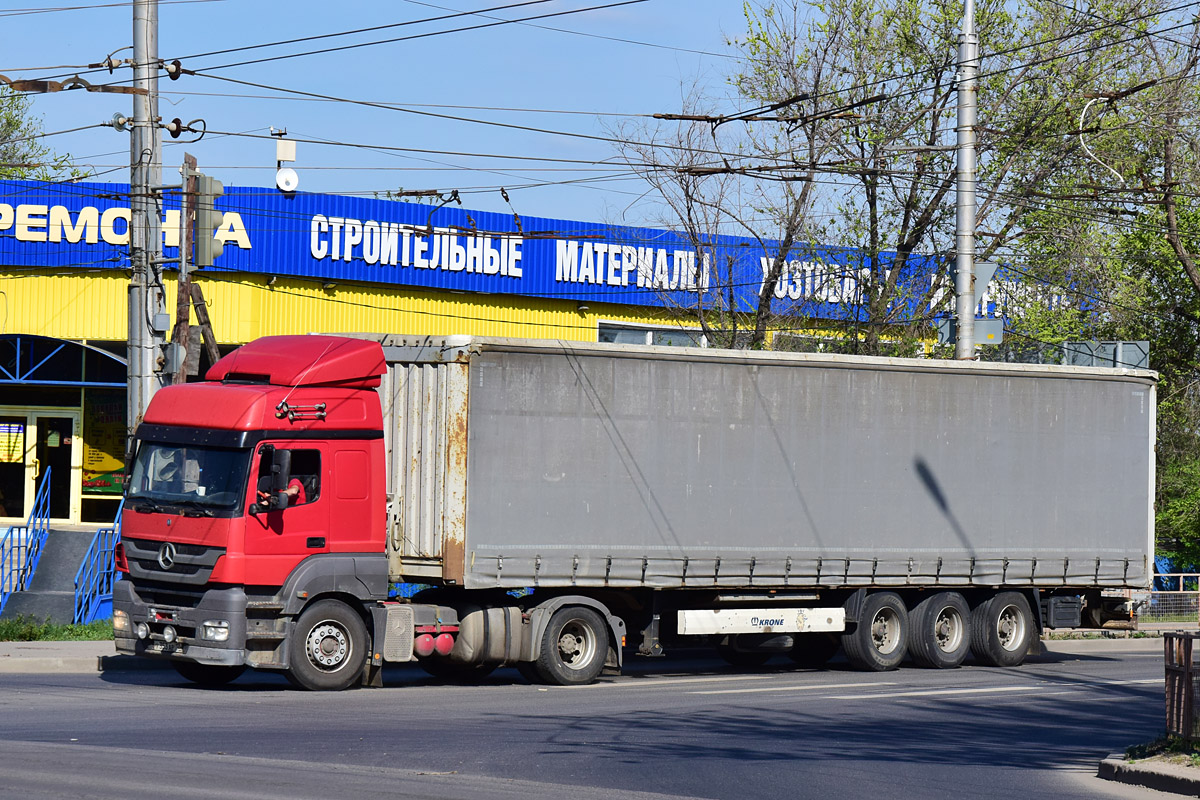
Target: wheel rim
x,y
576,645
885,631
328,646
1010,628
949,630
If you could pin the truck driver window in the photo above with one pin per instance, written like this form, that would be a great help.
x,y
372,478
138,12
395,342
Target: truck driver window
x,y
304,485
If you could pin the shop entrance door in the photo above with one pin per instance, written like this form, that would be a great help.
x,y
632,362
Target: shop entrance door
x,y
32,439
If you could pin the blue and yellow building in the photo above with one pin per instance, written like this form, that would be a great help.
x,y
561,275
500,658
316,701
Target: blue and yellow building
x,y
296,263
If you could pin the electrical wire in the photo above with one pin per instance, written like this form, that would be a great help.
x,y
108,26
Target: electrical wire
x,y
481,13
413,37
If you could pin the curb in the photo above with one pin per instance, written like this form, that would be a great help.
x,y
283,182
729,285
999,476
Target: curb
x,y
1151,775
79,664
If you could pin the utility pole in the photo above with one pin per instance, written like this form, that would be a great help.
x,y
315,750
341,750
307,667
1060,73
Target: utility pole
x,y
183,294
146,302
964,216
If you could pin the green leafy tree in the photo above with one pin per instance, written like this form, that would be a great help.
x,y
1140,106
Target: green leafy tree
x,y
23,153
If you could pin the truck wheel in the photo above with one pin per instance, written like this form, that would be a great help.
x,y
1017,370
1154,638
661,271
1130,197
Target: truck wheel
x,y
742,658
574,647
328,647
939,637
208,674
880,639
1001,629
456,671
813,650
529,672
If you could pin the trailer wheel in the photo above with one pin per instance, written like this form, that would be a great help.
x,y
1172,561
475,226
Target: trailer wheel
x,y
574,647
940,634
1001,629
456,671
880,639
813,650
328,647
208,674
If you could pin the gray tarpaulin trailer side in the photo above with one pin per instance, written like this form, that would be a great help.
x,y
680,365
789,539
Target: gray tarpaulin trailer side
x,y
770,502
517,463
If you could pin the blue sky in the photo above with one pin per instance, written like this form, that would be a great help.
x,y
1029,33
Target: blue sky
x,y
509,66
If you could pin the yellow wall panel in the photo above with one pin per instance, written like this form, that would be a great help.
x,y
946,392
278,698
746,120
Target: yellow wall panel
x,y
93,306
64,306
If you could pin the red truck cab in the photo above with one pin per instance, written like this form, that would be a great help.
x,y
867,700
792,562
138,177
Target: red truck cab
x,y
248,493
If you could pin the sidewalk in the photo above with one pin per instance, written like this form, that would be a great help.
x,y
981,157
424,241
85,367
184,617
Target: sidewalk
x,y
68,657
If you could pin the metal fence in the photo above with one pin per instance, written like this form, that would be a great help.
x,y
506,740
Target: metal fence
x,y
1181,673
1173,603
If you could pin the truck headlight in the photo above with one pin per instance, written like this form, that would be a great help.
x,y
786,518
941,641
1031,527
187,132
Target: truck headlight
x,y
120,621
142,630
215,630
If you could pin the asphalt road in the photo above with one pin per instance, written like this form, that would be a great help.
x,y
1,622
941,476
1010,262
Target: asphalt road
x,y
679,728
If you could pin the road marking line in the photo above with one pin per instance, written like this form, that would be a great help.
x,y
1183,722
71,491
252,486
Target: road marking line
x,y
797,687
626,682
936,692
991,689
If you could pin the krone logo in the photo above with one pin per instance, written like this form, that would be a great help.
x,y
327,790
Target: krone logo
x,y
166,555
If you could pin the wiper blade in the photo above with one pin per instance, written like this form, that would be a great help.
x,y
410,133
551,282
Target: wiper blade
x,y
145,505
201,509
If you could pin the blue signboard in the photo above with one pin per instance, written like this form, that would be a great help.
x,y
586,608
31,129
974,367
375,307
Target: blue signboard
x,y
338,238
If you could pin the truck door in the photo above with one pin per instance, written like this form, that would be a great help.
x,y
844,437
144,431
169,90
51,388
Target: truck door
x,y
279,538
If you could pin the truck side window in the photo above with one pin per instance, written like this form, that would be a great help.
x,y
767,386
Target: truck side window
x,y
305,484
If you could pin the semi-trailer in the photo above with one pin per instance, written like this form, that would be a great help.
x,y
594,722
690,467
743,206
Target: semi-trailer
x,y
558,505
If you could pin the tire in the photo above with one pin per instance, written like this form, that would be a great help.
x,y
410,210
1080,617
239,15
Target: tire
x,y
1001,630
880,639
529,672
209,675
456,671
574,647
939,635
813,650
742,658
328,647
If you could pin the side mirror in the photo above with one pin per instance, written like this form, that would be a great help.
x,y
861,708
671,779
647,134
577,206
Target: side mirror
x,y
280,473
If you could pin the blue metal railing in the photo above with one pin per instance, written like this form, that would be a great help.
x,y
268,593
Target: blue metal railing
x,y
97,574
21,546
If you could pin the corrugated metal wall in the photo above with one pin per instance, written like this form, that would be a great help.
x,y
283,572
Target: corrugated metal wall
x,y
93,306
425,431
65,306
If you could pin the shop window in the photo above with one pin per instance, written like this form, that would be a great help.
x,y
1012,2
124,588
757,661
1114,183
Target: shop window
x,y
671,337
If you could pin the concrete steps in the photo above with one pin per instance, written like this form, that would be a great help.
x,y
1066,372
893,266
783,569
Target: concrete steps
x,y
51,593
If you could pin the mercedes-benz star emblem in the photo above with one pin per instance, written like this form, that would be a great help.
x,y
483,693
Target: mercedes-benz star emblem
x,y
166,555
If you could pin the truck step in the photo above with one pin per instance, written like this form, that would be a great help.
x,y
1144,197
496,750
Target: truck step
x,y
264,605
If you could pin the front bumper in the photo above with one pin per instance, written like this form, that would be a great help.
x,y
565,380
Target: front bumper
x,y
159,607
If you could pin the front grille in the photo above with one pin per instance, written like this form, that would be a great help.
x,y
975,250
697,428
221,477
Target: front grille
x,y
158,594
190,564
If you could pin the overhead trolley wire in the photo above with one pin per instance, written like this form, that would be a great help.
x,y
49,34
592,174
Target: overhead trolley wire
x,y
355,31
483,13
429,34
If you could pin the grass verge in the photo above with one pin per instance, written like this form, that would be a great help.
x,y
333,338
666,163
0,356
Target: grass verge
x,y
28,629
1168,748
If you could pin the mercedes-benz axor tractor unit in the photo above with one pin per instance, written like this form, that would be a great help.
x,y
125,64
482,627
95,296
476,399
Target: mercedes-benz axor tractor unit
x,y
324,505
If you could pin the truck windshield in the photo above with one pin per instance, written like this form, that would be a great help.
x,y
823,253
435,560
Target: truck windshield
x,y
188,476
